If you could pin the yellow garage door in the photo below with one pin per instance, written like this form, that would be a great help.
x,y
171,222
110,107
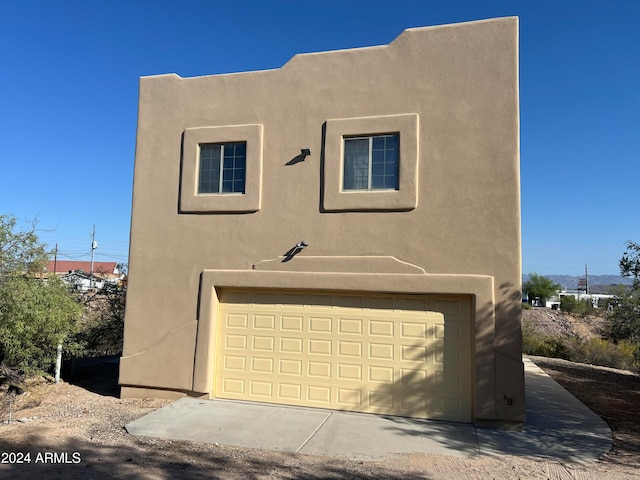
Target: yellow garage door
x,y
407,355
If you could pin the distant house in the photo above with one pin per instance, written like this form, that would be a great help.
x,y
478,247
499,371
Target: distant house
x,y
105,270
83,281
342,232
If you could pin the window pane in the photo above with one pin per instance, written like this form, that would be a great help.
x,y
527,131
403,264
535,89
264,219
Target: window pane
x,y
378,181
384,181
377,156
241,150
227,186
377,169
209,169
378,143
356,164
231,158
385,152
392,142
391,181
383,171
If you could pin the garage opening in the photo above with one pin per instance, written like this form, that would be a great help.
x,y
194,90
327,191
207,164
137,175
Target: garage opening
x,y
405,355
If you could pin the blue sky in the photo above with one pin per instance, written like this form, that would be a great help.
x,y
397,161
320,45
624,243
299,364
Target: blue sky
x,y
69,85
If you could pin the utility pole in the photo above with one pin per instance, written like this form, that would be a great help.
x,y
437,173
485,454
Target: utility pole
x,y
55,260
586,279
94,245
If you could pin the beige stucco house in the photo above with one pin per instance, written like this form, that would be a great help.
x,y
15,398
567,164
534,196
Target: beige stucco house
x,y
342,232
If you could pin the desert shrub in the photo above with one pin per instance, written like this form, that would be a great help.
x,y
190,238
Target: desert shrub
x,y
535,342
34,318
568,303
526,306
584,308
596,351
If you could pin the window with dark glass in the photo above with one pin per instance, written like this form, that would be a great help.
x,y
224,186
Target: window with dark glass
x,y
222,168
371,162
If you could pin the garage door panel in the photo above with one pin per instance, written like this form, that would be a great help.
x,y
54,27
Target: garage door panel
x,y
319,369
318,395
262,365
349,349
320,347
290,391
264,322
320,325
350,326
261,343
378,374
371,353
290,323
232,362
381,351
381,328
291,345
238,342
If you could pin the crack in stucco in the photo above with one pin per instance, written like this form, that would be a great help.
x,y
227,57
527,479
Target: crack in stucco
x,y
160,340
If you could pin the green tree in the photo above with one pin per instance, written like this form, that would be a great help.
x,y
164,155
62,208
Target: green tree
x,y
540,286
20,251
624,321
630,263
35,314
34,318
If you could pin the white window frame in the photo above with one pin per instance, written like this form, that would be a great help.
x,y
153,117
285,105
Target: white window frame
x,y
370,162
221,169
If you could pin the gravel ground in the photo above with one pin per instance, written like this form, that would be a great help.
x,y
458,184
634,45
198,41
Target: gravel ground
x,y
73,431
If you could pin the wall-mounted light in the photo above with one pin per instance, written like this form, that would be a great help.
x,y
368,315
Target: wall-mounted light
x,y
295,250
305,151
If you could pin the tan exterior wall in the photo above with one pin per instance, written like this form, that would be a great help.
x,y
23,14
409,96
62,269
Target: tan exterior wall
x,y
453,227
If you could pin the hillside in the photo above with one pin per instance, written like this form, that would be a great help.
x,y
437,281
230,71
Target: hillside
x,y
555,322
569,282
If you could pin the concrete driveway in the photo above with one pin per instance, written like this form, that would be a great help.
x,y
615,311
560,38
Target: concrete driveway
x,y
558,427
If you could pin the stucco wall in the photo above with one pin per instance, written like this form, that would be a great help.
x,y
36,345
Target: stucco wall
x,y
460,82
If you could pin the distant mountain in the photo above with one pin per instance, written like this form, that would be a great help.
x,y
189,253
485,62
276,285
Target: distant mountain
x,y
569,282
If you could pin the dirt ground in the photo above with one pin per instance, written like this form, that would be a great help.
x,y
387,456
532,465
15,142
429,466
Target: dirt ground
x,y
76,430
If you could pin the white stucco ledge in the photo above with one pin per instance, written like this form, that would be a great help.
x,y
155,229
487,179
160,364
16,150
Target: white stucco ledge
x,y
339,264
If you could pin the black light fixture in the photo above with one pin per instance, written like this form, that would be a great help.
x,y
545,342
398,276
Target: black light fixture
x,y
305,151
295,250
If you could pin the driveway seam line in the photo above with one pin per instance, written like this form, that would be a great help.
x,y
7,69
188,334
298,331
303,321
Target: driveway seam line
x,y
314,432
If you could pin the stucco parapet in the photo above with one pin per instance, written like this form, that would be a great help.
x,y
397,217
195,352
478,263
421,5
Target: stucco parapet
x,y
311,56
